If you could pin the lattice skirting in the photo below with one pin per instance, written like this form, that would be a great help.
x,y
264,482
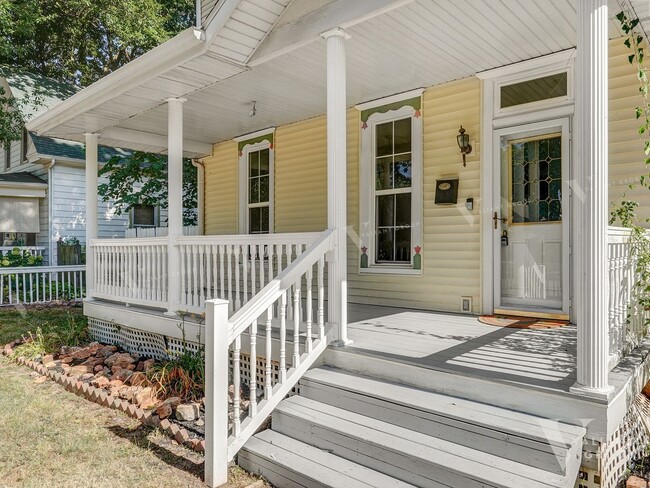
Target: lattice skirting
x,y
626,444
159,346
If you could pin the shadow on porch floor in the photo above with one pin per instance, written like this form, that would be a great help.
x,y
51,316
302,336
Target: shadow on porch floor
x,y
461,344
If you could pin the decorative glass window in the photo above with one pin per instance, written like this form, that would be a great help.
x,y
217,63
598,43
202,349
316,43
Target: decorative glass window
x,y
259,175
256,155
393,191
536,180
391,185
143,216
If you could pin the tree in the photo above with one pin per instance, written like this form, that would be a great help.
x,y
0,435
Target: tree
x,y
80,41
141,178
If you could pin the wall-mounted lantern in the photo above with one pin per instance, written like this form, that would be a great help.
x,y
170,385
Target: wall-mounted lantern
x,y
463,144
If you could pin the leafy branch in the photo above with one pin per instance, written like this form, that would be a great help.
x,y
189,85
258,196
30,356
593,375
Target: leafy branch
x,y
625,211
141,179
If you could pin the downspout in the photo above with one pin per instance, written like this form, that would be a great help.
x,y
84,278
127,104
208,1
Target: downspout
x,y
50,213
200,186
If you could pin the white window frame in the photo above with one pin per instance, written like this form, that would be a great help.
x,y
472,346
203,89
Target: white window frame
x,y
243,177
367,196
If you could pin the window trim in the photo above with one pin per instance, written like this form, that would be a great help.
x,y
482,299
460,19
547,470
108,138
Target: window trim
x,y
24,146
8,155
246,149
156,218
367,192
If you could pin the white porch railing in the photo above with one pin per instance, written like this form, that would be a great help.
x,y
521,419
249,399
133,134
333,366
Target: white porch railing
x,y
131,271
41,284
626,319
289,308
145,232
234,268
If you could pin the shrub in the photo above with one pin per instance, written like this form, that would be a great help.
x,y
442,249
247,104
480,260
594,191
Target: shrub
x,y
52,335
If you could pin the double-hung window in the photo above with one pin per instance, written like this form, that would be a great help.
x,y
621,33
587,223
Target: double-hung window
x,y
259,180
256,172
391,185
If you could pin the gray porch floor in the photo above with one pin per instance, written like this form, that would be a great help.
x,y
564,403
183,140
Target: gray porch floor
x,y
460,343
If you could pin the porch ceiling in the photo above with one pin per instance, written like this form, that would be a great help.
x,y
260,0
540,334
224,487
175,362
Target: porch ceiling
x,y
402,45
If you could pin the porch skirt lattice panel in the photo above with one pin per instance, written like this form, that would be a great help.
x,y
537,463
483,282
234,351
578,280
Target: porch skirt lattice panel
x,y
163,347
626,444
132,340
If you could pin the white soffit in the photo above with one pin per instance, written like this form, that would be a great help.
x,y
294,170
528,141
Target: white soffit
x,y
410,44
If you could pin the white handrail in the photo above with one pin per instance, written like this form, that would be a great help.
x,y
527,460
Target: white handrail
x,y
287,300
271,292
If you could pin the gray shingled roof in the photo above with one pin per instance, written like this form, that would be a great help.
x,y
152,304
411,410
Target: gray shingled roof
x,y
22,177
61,149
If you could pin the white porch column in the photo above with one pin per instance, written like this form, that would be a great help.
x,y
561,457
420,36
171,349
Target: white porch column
x,y
174,199
337,298
591,201
91,209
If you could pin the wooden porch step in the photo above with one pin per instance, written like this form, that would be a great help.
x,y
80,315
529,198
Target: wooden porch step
x,y
401,453
287,462
545,444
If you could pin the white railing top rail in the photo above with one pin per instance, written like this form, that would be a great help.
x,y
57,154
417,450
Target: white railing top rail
x,y
23,248
41,269
240,321
135,242
252,239
616,233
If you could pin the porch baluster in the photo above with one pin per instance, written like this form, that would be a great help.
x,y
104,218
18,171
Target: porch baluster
x,y
283,337
268,385
296,324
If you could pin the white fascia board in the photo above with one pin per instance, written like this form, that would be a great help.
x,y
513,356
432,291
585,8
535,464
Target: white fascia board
x,y
253,135
342,14
157,140
186,45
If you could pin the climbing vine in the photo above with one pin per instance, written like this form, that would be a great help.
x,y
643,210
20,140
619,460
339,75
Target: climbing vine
x,y
624,212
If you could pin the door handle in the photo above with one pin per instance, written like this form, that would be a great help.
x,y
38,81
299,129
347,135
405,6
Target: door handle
x,y
496,219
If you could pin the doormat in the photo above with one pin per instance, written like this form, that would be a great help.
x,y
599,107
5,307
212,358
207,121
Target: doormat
x,y
516,322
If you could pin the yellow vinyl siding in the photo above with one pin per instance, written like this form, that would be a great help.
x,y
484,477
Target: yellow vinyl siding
x,y
301,176
451,234
625,146
221,189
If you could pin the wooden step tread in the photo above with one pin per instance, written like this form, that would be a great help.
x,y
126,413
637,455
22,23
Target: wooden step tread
x,y
555,433
367,440
299,464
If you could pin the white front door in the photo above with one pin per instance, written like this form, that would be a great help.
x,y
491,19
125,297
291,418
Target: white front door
x,y
530,223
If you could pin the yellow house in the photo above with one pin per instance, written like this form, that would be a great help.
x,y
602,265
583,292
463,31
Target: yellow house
x,y
386,188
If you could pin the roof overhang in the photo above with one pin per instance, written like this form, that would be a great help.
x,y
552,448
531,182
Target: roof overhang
x,y
274,55
22,190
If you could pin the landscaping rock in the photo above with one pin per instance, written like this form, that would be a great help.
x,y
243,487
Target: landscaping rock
x,y
119,359
80,370
148,364
100,382
146,398
635,482
187,412
164,410
121,374
50,365
200,422
40,379
107,351
48,358
98,369
86,352
67,360
137,379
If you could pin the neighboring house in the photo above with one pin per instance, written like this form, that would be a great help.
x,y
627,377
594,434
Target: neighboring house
x,y
45,182
349,224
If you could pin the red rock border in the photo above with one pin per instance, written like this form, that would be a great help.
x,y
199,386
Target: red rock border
x,y
101,396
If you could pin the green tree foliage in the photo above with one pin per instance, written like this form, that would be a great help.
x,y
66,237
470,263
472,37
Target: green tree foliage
x,y
142,179
80,41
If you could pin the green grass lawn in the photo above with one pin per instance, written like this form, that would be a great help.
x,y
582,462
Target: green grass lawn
x,y
50,437
15,322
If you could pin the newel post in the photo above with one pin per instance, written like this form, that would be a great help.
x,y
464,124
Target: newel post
x,y
337,297
216,392
591,200
174,200
91,209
